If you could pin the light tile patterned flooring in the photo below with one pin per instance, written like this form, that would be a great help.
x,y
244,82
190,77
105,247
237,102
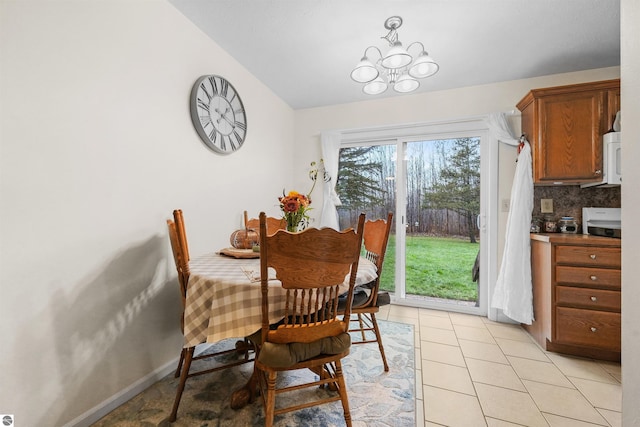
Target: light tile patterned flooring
x,y
473,372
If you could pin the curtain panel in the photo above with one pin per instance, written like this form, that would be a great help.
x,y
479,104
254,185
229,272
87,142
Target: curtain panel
x,y
330,142
513,293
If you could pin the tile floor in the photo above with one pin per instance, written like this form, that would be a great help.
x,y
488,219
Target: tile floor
x,y
473,372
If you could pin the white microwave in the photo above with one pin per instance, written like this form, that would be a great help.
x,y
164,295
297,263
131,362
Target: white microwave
x,y
611,158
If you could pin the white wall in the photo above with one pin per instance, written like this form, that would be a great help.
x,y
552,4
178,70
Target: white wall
x,y
630,81
97,149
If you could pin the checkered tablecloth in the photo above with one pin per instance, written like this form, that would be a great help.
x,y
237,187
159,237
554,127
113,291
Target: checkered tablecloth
x,y
224,298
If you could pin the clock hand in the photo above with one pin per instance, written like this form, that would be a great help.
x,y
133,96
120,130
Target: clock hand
x,y
228,121
224,116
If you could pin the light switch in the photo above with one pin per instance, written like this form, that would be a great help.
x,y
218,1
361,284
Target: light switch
x,y
546,205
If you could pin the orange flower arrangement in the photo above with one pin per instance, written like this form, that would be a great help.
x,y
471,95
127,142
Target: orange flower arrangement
x,y
295,207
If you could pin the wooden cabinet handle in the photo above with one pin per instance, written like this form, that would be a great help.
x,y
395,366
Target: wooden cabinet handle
x,y
594,278
594,299
592,256
593,329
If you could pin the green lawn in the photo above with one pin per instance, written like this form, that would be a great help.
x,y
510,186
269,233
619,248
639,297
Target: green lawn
x,y
436,267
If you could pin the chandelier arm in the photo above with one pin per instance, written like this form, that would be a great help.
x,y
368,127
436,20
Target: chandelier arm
x,y
421,46
374,47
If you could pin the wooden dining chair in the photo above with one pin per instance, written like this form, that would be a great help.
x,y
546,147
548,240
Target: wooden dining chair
x,y
273,223
367,299
311,266
180,249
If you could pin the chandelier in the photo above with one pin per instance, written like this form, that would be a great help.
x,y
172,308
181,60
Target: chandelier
x,y
401,69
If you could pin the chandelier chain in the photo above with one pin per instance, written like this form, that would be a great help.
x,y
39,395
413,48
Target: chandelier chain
x,y
391,37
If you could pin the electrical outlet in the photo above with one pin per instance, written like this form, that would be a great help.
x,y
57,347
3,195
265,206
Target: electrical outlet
x,y
506,203
546,205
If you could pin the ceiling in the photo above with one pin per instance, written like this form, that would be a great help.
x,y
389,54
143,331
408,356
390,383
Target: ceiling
x,y
304,50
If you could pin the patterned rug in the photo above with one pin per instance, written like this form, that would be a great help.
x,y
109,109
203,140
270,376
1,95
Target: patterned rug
x,y
376,398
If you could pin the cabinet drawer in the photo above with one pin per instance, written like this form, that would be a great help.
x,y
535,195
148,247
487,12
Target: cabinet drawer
x,y
594,299
596,256
588,328
595,277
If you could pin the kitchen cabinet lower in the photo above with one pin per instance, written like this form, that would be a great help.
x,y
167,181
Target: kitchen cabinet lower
x,y
576,295
592,299
595,329
600,277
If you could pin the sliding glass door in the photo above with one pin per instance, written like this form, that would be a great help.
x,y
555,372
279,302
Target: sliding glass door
x,y
433,185
367,183
442,241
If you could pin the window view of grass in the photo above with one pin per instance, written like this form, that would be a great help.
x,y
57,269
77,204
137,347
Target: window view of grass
x,y
436,267
441,197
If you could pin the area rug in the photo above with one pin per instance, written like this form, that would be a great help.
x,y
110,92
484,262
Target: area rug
x,y
376,398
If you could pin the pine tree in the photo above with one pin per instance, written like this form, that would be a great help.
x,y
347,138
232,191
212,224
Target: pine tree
x,y
458,184
359,179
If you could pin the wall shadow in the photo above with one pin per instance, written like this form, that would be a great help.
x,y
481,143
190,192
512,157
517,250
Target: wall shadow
x,y
121,325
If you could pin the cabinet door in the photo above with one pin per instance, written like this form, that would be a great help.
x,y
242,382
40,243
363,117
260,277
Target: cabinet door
x,y
570,132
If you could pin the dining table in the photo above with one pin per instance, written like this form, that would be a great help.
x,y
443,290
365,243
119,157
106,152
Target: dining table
x,y
224,298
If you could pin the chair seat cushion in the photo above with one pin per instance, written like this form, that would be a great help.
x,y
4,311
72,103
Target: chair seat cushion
x,y
360,296
383,299
286,355
369,285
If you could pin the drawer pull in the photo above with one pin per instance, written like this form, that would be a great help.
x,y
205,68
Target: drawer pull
x,y
594,278
593,329
594,299
592,256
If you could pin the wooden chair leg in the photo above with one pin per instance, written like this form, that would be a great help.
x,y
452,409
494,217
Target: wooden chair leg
x,y
270,400
342,389
188,356
362,327
179,369
379,339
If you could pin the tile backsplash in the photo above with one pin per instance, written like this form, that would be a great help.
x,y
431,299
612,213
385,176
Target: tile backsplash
x,y
568,200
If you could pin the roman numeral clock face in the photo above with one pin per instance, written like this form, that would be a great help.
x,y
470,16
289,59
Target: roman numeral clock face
x,y
218,114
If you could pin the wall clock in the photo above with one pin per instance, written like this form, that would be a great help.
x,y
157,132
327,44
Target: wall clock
x,y
218,114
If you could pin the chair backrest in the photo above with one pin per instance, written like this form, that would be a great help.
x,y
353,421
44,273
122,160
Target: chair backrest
x,y
375,239
180,253
312,265
182,235
273,224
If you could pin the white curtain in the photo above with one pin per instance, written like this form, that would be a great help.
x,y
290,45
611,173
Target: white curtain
x,y
330,154
513,293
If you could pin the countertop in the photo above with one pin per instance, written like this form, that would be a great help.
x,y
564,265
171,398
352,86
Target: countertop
x,y
576,239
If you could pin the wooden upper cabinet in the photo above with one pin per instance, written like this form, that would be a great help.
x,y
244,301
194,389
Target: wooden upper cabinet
x,y
565,125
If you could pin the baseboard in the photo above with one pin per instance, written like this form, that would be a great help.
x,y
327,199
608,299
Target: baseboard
x,y
102,409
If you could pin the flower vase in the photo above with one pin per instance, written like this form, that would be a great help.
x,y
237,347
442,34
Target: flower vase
x,y
295,207
293,223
